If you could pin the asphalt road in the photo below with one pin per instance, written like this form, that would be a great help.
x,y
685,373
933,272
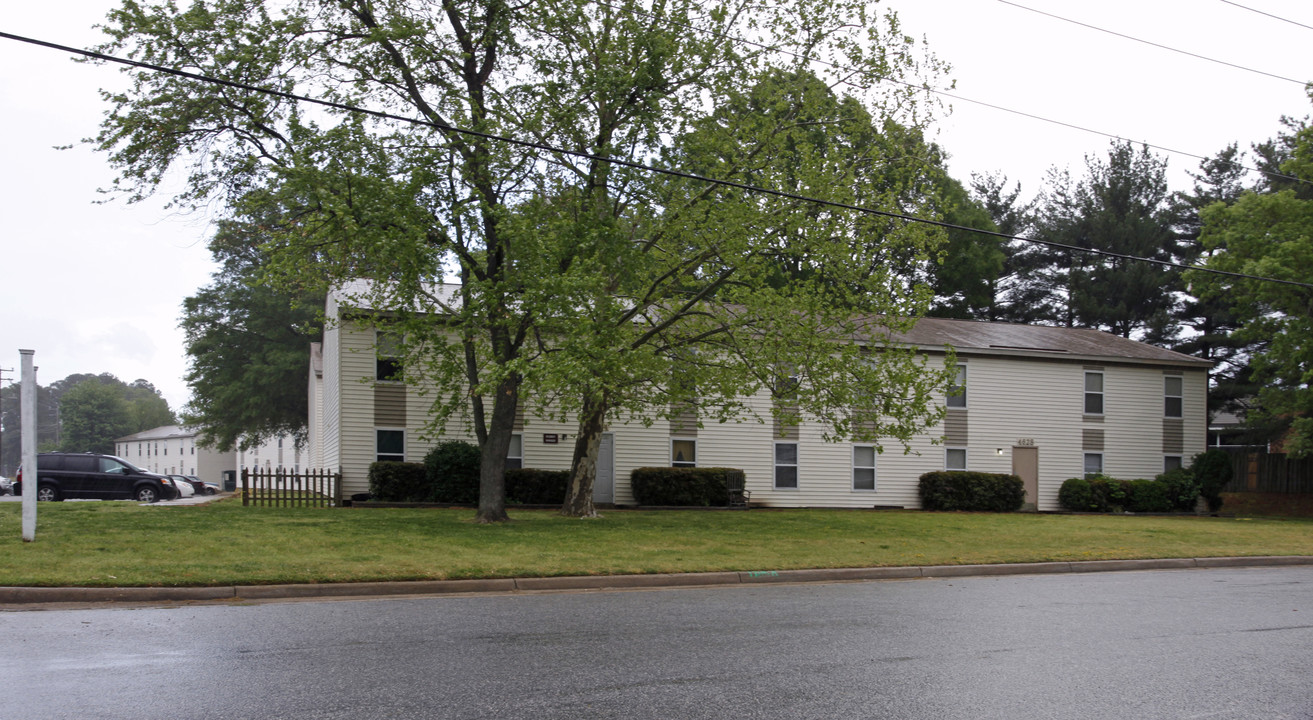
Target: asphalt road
x,y
1222,643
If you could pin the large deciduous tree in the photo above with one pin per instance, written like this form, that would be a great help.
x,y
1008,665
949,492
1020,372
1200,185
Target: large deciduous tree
x,y
247,342
411,205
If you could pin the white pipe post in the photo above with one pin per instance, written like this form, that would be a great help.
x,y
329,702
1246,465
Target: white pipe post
x,y
27,415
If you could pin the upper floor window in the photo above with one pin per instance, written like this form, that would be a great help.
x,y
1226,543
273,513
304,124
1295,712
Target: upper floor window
x,y
683,453
957,391
1093,392
387,366
1173,396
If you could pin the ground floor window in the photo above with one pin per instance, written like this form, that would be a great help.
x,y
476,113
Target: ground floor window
x,y
955,459
390,445
863,467
515,454
683,452
1172,462
786,466
1093,463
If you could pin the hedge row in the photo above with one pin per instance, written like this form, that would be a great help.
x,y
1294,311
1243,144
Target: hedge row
x,y
450,474
685,486
1174,491
975,491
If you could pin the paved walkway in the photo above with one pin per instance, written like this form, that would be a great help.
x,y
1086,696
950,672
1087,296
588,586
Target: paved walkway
x,y
237,593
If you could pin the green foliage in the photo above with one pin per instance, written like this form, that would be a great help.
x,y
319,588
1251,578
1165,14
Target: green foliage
x,y
399,482
248,345
1148,496
529,486
1181,487
971,491
92,415
697,487
1077,495
1212,470
452,468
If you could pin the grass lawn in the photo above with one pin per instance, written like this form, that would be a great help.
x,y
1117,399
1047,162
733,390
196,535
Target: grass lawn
x,y
222,543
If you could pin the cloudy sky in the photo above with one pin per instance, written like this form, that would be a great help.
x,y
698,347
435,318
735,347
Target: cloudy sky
x,y
97,287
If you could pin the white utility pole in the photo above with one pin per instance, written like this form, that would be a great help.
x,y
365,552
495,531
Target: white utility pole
x,y
27,411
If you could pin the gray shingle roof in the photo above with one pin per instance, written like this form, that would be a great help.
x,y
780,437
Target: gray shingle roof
x,y
974,337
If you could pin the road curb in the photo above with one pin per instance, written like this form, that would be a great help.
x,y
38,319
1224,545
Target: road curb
x,y
39,595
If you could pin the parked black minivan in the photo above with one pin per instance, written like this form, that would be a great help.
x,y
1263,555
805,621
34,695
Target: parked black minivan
x,y
88,475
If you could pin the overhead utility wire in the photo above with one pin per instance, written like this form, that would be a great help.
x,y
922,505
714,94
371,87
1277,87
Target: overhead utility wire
x,y
1301,83
1274,17
1021,113
626,163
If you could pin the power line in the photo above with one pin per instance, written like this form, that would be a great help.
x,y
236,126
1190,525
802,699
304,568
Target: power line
x,y
943,93
1274,17
1301,83
446,128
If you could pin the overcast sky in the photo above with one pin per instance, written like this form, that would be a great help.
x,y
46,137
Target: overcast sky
x,y
98,287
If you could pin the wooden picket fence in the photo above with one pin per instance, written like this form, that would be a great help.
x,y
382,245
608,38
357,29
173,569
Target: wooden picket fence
x,y
278,487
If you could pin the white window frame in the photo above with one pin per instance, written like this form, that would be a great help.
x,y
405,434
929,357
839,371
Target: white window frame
x,y
875,475
380,356
1168,397
377,430
512,458
1085,457
776,465
966,459
683,463
1102,392
958,401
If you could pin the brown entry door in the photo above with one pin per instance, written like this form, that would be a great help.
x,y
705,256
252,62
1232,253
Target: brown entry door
x,y
1025,465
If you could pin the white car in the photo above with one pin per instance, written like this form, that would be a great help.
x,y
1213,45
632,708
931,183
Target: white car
x,y
6,485
185,490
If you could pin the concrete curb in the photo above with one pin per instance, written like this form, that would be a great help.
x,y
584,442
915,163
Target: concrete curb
x,y
36,595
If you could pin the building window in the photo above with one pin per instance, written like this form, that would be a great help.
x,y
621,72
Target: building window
x,y
387,366
683,453
955,459
1093,392
1093,463
391,445
786,466
515,454
1172,462
863,467
1173,396
957,391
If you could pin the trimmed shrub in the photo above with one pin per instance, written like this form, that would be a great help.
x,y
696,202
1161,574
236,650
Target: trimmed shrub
x,y
976,491
1181,487
1147,496
453,472
528,486
1110,494
1077,496
398,482
1212,469
685,486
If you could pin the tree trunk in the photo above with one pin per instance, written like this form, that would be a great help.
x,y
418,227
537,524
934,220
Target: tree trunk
x,y
492,465
583,468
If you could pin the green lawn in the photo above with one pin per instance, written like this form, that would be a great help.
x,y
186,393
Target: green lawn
x,y
222,543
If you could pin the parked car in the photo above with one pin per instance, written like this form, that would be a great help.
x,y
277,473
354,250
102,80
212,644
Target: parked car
x,y
210,488
62,476
6,485
185,490
198,487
